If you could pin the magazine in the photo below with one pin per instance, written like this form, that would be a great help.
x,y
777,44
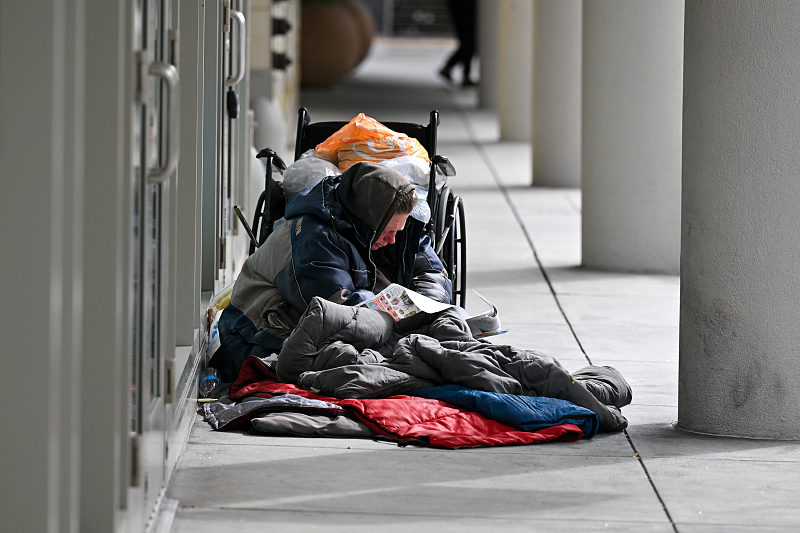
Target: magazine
x,y
401,303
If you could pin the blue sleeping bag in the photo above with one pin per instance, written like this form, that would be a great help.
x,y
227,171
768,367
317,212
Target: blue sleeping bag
x,y
527,413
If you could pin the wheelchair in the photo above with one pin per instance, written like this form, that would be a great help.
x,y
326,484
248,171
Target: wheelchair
x,y
446,227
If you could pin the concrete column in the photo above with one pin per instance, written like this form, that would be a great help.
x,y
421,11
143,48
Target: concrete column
x,y
487,52
740,284
515,69
556,126
631,138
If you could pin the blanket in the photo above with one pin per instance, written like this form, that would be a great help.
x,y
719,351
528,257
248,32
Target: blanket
x,y
275,408
358,353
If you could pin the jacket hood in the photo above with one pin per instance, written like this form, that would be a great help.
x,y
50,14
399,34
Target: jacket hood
x,y
362,200
371,193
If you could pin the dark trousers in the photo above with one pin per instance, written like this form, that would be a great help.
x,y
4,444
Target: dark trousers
x,y
239,339
463,13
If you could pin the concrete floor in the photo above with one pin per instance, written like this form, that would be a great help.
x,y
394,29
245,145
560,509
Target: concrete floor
x,y
524,255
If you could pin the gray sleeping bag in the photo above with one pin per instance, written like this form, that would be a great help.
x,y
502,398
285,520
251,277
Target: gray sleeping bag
x,y
355,352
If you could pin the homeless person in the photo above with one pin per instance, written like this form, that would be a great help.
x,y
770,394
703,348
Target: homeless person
x,y
344,240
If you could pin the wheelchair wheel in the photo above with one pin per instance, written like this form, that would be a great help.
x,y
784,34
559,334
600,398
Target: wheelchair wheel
x,y
451,243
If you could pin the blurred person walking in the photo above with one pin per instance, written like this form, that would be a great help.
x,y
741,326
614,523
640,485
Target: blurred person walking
x,y
463,14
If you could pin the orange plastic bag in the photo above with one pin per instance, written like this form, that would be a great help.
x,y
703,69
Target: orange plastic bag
x,y
366,139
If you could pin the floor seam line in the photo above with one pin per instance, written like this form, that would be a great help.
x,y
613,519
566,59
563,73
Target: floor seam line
x,y
493,171
504,191
650,480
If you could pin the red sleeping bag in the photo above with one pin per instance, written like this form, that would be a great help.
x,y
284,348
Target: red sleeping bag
x,y
406,419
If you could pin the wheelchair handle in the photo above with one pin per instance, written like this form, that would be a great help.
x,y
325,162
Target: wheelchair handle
x,y
272,157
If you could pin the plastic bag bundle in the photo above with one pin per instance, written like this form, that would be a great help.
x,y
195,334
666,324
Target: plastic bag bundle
x,y
219,302
307,172
422,210
416,170
366,139
379,150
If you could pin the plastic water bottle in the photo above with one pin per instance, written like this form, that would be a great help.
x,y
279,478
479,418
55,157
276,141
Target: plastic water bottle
x,y
209,380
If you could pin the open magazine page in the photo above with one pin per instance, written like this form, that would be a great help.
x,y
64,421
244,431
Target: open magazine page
x,y
402,303
487,323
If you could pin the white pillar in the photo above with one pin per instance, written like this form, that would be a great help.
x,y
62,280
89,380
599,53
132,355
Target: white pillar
x,y
631,138
487,52
740,285
515,69
556,126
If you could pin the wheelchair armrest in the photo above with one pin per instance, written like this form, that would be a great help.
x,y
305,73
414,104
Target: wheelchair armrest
x,y
443,164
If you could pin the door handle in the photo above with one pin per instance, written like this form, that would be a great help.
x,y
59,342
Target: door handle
x,y
169,74
238,16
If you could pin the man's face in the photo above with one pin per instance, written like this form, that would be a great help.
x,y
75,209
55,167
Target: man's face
x,y
397,223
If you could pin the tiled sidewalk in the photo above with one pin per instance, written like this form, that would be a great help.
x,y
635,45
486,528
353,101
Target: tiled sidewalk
x,y
524,255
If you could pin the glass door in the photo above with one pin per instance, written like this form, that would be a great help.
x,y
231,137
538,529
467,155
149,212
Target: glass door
x,y
154,160
233,58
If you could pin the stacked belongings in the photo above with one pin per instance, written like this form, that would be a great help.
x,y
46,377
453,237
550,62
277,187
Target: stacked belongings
x,y
364,139
345,371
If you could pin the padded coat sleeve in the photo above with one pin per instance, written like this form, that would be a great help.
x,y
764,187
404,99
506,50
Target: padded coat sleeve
x,y
320,267
430,278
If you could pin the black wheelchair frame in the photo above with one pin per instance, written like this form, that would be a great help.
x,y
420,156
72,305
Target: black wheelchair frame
x,y
446,227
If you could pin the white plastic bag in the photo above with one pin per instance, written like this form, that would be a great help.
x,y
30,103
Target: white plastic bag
x,y
422,210
213,335
306,172
415,169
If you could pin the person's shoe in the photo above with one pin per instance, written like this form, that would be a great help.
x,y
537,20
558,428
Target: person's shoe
x,y
468,83
444,73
